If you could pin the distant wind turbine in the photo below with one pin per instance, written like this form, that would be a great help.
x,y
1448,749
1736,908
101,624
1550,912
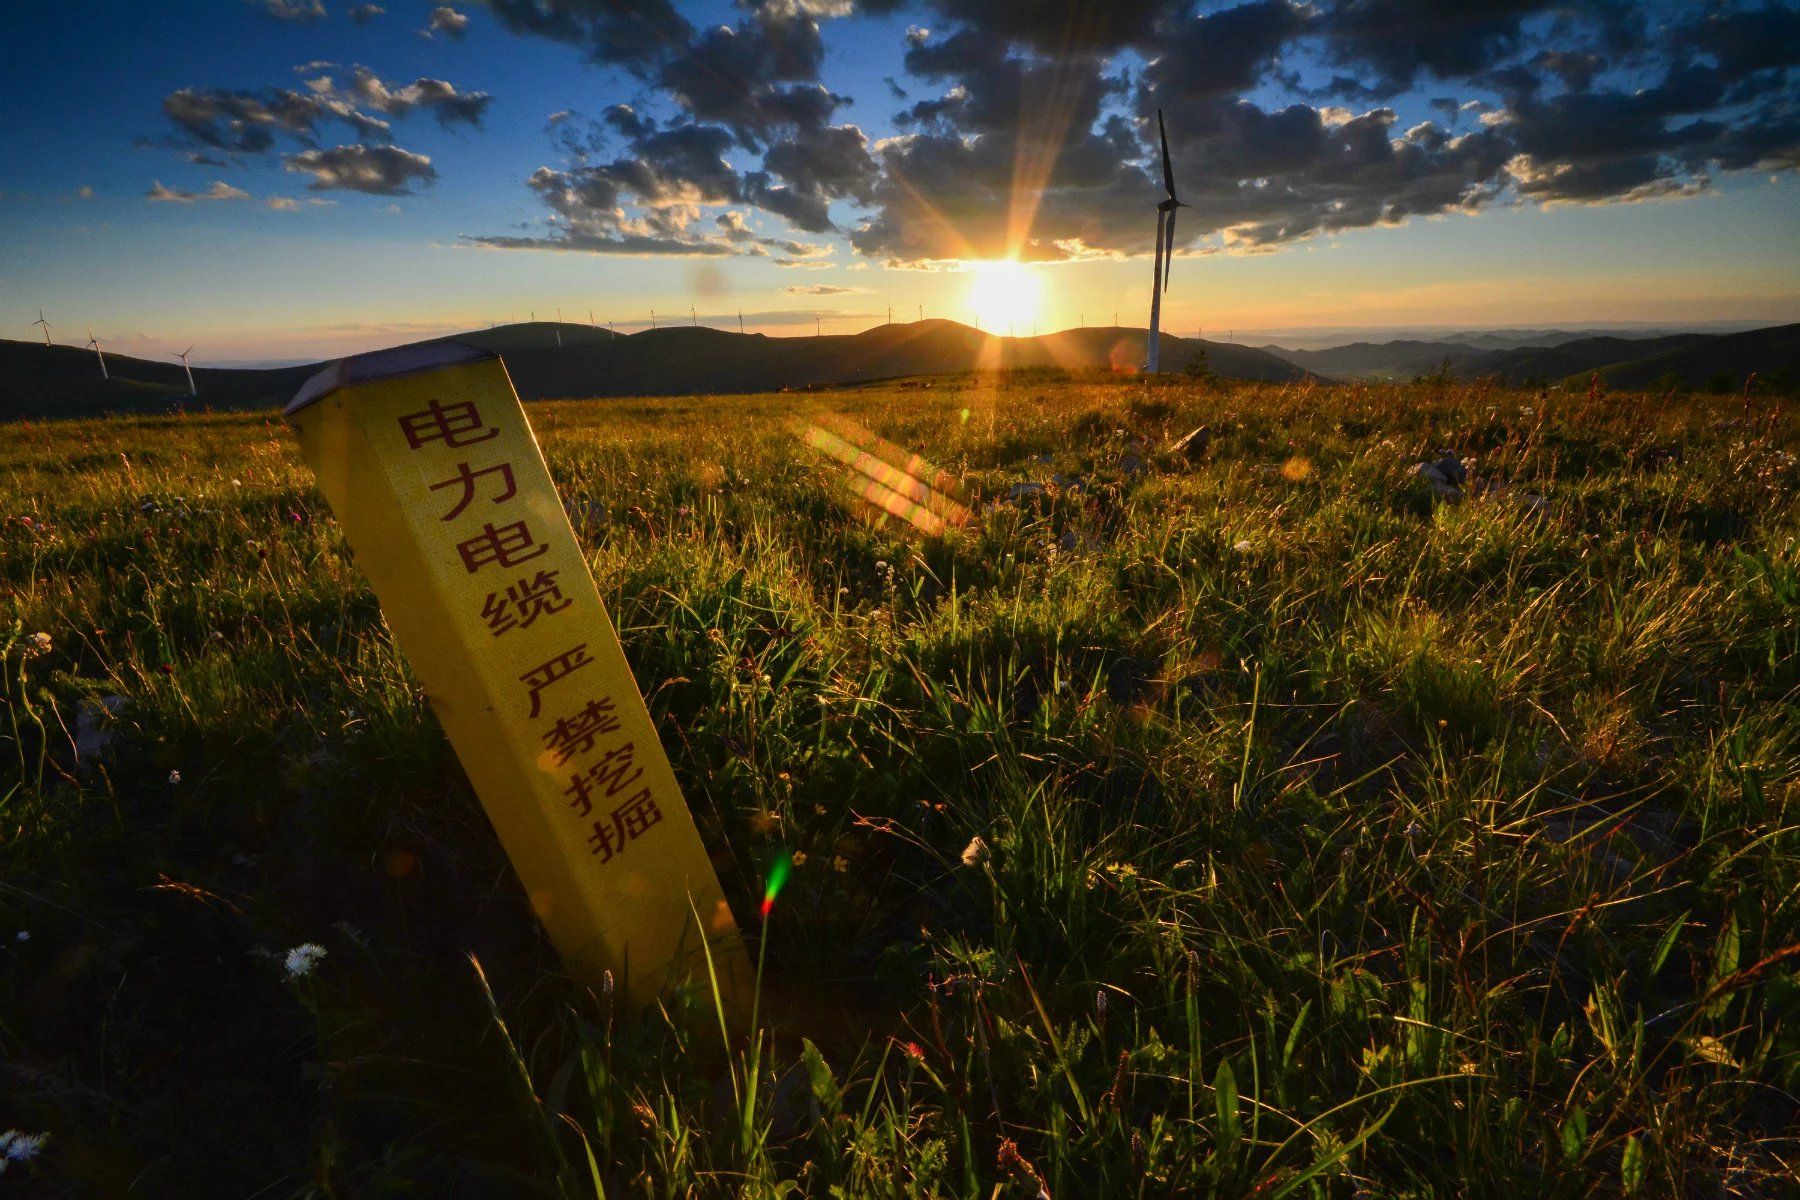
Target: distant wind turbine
x,y
818,326
693,317
653,318
740,320
45,324
183,356
94,344
1165,251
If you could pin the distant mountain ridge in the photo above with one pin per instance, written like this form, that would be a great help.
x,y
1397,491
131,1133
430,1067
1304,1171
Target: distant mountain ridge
x,y
1400,359
63,381
1689,360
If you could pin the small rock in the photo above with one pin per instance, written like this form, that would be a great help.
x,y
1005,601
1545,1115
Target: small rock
x,y
1445,477
1194,444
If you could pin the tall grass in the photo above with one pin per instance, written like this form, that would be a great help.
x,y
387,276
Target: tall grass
x,y
1335,838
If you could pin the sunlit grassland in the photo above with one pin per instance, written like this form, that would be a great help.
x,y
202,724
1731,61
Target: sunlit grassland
x,y
1336,839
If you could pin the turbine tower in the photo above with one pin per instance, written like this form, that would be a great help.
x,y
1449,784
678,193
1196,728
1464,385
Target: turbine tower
x,y
45,324
1165,252
94,344
183,356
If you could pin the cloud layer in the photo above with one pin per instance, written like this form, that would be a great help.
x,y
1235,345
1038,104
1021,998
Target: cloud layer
x,y
1027,127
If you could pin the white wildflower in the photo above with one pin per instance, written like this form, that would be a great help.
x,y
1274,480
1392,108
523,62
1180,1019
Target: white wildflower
x,y
976,852
40,643
301,960
24,935
21,1147
174,776
1242,546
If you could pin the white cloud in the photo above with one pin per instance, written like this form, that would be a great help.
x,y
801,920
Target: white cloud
x,y
220,190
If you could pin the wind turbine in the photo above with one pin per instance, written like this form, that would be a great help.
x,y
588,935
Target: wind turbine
x,y
693,317
740,321
1165,252
183,356
95,344
45,324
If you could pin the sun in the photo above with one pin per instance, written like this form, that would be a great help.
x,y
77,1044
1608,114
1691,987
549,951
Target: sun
x,y
1003,296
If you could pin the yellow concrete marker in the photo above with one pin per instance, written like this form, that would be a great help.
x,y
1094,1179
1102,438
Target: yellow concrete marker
x,y
426,458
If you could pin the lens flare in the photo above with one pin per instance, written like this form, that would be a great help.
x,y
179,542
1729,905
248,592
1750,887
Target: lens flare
x,y
892,480
778,877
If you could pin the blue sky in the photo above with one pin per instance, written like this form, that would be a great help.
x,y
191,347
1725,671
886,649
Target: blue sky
x,y
1657,232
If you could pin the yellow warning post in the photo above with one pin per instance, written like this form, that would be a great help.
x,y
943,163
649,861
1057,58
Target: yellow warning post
x,y
426,458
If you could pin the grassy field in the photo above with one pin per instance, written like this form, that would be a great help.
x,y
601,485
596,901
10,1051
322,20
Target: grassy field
x,y
1336,838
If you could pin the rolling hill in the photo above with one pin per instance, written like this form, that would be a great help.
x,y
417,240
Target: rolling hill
x,y
1774,354
1691,360
1547,364
62,381
1401,359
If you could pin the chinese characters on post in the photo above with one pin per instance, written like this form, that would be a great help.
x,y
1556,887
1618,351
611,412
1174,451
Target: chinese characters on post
x,y
432,470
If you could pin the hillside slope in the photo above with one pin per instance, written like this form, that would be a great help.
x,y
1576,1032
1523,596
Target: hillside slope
x,y
63,381
1719,360
1545,364
683,360
1402,359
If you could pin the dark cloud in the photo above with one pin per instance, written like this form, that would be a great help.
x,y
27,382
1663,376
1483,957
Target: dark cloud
x,y
1022,134
362,14
245,122
210,122
826,164
1060,27
435,96
634,34
1747,41
377,170
1576,69
733,228
1221,54
1400,40
752,86
756,78
819,289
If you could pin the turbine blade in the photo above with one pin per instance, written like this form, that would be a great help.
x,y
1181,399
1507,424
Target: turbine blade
x,y
1169,250
1168,171
1161,224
